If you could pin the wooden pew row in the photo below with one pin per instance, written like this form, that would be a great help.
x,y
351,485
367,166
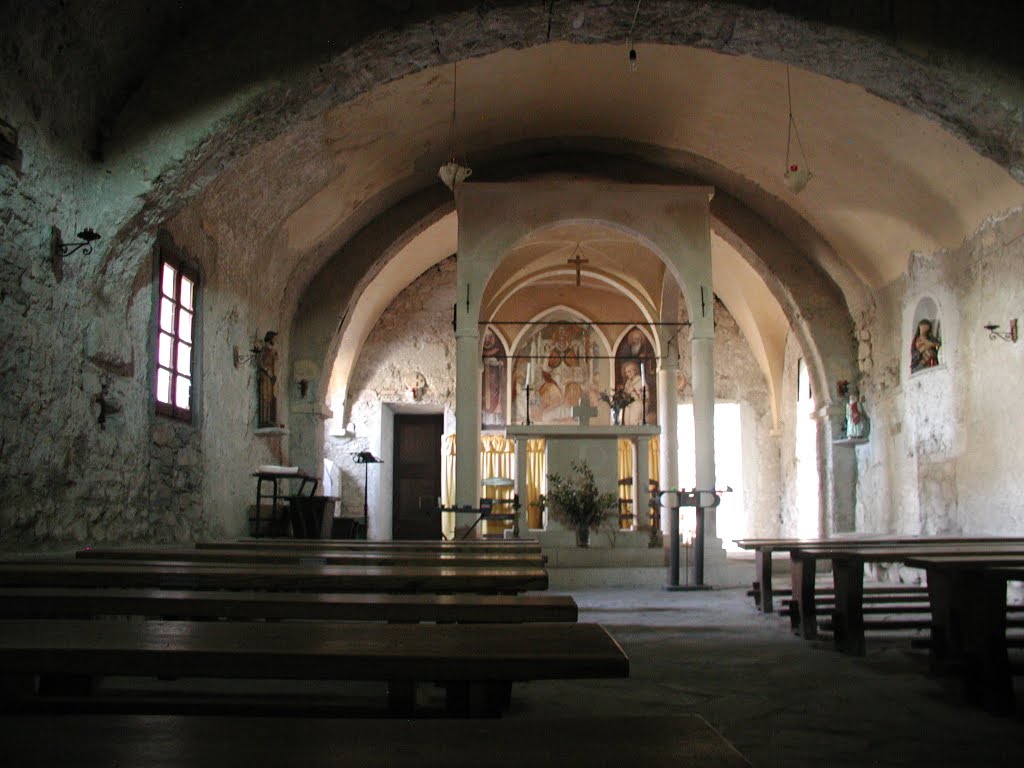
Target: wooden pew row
x,y
423,545
68,603
969,623
313,578
92,741
313,556
475,663
848,577
764,548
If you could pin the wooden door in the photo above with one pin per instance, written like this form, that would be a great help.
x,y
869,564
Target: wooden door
x,y
417,485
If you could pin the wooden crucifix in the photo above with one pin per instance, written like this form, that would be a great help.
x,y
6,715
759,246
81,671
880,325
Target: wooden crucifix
x,y
578,261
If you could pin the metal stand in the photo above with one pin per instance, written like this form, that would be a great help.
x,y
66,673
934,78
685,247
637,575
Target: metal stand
x,y
527,388
685,498
366,459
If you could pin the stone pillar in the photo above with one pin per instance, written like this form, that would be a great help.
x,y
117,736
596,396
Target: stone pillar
x,y
521,487
668,418
467,414
704,420
641,483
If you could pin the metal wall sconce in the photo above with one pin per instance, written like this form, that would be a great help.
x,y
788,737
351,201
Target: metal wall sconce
x,y
1010,335
87,237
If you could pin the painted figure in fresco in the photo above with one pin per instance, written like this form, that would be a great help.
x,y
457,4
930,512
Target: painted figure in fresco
x,y
632,385
636,350
266,373
492,389
924,351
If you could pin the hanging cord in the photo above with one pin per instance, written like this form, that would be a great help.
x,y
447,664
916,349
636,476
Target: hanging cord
x,y
455,93
791,129
629,37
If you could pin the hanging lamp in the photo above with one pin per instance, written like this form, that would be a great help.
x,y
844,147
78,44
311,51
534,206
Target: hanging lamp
x,y
453,172
797,174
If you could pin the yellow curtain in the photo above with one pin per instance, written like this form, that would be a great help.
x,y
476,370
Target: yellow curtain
x,y
625,464
497,459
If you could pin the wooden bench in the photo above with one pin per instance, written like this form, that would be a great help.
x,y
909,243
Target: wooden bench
x,y
312,556
312,578
475,663
422,545
763,549
93,741
969,622
848,578
66,603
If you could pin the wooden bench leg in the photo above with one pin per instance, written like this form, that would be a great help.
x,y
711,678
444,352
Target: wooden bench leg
x,y
401,697
803,595
944,651
848,617
763,574
477,699
987,674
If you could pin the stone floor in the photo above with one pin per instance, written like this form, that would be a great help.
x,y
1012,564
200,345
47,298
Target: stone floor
x,y
780,700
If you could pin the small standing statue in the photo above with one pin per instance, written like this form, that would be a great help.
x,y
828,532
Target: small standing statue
x,y
856,421
266,372
924,351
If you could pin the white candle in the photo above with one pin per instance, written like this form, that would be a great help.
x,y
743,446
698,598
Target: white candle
x,y
529,372
643,377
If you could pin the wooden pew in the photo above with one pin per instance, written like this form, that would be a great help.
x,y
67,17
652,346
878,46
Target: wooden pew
x,y
67,603
848,577
93,741
312,578
764,548
249,556
423,545
476,663
969,622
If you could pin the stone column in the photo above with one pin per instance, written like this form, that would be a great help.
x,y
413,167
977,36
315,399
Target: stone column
x,y
704,425
467,414
521,487
668,418
641,483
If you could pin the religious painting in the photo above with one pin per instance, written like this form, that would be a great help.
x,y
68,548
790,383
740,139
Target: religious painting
x,y
562,362
926,341
635,374
493,384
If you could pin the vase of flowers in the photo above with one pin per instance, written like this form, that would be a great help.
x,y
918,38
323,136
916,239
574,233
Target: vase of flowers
x,y
578,502
617,400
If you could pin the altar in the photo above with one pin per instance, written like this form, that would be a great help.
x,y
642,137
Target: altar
x,y
598,447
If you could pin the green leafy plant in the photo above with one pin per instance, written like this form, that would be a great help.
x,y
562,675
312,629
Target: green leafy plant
x,y
577,502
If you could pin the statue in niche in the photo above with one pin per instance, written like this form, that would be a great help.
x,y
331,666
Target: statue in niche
x,y
266,376
856,419
924,350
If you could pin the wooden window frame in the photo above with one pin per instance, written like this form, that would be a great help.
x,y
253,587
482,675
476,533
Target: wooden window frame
x,y
182,271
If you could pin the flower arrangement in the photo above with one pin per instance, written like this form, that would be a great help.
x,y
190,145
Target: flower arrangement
x,y
617,398
578,502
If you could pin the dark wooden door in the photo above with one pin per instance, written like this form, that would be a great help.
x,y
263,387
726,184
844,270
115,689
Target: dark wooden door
x,y
417,463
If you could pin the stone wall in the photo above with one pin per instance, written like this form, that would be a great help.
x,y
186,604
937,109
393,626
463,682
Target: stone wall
x,y
941,456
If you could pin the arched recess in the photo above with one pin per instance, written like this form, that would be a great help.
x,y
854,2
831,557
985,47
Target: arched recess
x,y
801,296
670,221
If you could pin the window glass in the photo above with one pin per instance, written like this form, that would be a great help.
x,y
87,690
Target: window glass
x,y
163,385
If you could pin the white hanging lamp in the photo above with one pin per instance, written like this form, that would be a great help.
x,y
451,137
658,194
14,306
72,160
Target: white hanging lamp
x,y
453,172
797,174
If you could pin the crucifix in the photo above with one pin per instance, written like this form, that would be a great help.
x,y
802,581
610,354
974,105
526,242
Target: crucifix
x,y
584,412
578,261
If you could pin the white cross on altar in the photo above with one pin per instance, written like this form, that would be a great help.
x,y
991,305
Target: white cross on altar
x,y
584,412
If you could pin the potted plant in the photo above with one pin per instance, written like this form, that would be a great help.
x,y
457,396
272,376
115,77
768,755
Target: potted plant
x,y
578,502
617,400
